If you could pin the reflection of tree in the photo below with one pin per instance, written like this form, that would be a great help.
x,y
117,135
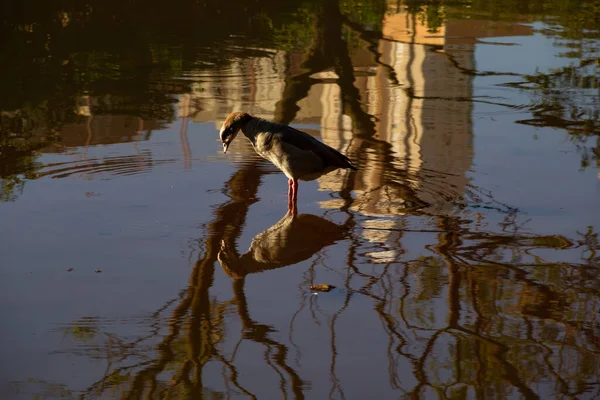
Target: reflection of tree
x,y
431,12
512,320
204,331
328,50
128,56
17,146
493,338
196,323
565,98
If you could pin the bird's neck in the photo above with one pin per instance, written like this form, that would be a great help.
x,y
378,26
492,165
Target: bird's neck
x,y
253,128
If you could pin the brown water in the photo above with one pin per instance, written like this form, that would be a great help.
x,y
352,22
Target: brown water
x,y
464,251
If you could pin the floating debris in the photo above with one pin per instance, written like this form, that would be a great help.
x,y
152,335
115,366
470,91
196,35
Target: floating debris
x,y
322,287
98,271
69,269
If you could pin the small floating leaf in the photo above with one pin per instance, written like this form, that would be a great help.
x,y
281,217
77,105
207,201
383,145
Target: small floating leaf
x,y
322,287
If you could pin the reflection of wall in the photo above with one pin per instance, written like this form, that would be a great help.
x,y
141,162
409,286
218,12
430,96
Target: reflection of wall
x,y
425,119
408,28
102,128
252,84
446,129
324,101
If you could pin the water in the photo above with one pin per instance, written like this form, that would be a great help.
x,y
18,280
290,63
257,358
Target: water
x,y
138,261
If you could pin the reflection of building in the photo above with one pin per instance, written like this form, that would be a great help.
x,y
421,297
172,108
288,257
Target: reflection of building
x,y
253,84
105,128
426,118
423,128
101,120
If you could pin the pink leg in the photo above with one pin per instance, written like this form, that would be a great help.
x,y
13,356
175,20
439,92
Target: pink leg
x,y
295,197
290,194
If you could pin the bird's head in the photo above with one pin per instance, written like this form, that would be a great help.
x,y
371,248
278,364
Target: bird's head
x,y
230,260
232,125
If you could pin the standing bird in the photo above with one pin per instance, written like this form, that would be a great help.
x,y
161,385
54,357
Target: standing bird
x,y
297,154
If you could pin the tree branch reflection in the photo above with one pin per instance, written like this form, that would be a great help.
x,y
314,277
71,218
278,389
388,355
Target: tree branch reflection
x,y
477,311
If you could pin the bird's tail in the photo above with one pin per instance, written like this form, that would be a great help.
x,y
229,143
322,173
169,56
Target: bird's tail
x,y
349,163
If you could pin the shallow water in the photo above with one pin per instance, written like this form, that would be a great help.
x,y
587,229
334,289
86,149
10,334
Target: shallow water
x,y
138,261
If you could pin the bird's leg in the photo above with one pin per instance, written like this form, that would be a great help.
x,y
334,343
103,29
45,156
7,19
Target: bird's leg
x,y
290,194
295,197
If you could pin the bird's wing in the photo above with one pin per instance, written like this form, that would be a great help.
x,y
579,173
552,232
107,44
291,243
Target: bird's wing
x,y
304,141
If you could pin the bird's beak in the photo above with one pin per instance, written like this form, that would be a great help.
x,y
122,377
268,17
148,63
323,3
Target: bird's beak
x,y
225,147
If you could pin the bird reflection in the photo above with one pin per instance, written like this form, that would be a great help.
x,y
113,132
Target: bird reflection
x,y
293,239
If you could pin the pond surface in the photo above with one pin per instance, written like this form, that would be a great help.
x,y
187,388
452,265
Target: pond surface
x,y
139,261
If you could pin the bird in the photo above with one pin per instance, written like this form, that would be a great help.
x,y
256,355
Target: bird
x,y
297,154
291,240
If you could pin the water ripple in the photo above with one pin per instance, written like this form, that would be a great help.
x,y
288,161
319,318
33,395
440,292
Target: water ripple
x,y
119,165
